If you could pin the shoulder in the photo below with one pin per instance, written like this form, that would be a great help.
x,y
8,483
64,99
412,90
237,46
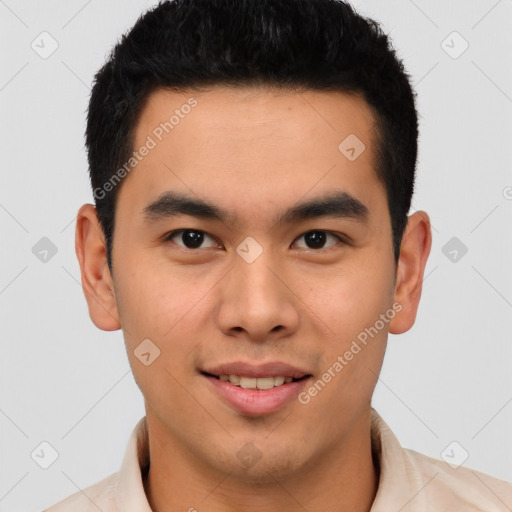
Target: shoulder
x,y
100,496
458,488
413,482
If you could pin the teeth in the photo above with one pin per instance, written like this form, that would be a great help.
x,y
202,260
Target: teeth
x,y
234,379
255,383
248,382
278,381
265,383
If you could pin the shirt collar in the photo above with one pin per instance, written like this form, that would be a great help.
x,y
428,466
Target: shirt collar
x,y
130,493
396,476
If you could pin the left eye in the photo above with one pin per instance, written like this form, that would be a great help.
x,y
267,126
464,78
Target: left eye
x,y
318,239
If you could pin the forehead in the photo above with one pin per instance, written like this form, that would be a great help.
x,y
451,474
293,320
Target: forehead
x,y
255,147
231,117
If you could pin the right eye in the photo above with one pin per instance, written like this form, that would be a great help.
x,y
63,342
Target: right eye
x,y
189,238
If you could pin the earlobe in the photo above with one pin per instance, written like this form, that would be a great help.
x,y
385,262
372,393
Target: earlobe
x,y
414,252
97,281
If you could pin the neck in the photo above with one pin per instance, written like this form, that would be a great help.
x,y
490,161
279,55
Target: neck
x,y
342,478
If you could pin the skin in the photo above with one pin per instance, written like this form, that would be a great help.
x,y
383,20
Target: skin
x,y
254,150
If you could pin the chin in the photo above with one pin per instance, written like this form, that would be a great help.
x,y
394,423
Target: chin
x,y
264,465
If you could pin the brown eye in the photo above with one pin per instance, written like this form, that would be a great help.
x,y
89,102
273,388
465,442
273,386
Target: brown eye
x,y
190,238
317,239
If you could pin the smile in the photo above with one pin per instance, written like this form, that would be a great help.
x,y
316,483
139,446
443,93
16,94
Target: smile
x,y
261,383
256,390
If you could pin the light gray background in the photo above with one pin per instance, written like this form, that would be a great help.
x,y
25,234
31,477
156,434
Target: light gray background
x,y
67,383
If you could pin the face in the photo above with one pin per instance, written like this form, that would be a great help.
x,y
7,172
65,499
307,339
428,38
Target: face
x,y
249,246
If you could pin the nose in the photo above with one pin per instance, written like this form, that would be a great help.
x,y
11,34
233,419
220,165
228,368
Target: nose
x,y
256,301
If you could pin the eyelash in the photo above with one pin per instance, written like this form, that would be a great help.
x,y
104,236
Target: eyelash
x,y
168,237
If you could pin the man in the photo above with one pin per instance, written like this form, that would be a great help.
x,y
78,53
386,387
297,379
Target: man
x,y
252,164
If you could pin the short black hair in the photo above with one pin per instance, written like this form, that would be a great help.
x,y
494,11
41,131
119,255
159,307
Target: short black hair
x,y
321,45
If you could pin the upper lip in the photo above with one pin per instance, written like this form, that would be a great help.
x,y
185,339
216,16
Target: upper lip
x,y
270,369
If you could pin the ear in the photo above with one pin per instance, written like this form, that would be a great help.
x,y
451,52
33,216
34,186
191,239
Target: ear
x,y
97,281
414,252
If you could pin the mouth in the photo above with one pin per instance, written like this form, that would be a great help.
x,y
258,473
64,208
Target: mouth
x,y
256,390
257,383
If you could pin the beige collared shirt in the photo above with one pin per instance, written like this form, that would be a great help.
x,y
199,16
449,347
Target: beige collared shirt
x,y
409,482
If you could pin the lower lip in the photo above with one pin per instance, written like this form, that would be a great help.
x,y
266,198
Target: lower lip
x,y
255,402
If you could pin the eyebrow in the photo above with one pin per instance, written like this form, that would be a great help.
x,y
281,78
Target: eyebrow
x,y
338,204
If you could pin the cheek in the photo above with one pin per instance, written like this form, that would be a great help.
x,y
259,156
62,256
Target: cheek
x,y
346,300
152,298
158,316
354,307
351,357
161,303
